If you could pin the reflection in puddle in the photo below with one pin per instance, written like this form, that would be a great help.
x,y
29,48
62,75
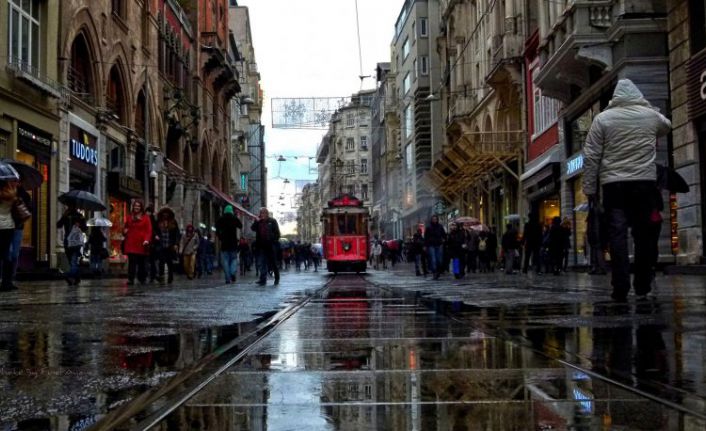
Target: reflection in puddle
x,y
360,358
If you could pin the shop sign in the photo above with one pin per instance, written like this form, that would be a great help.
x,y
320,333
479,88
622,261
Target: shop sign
x,y
83,147
124,185
574,165
33,137
696,85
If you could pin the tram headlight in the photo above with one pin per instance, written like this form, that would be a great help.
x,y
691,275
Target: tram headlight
x,y
346,246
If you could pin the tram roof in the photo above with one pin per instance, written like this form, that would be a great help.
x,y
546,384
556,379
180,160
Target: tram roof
x,y
345,210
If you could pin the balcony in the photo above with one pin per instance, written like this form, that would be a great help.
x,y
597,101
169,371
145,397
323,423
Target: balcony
x,y
34,77
580,38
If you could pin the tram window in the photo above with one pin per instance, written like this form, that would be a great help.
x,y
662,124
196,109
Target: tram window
x,y
347,224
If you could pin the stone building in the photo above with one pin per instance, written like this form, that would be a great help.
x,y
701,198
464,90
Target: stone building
x,y
584,48
247,139
31,98
687,55
477,172
309,214
414,63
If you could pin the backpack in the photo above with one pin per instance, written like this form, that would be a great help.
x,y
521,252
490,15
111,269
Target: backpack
x,y
482,245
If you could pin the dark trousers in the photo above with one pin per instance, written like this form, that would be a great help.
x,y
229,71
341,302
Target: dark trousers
x,y
8,265
267,260
137,263
632,205
472,263
151,261
166,257
533,254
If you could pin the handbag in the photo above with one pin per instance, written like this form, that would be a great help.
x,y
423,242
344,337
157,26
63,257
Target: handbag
x,y
20,212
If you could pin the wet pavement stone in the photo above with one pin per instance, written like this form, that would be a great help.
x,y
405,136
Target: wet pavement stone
x,y
70,354
391,351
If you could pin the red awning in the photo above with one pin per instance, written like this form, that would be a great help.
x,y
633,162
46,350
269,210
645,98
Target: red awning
x,y
239,210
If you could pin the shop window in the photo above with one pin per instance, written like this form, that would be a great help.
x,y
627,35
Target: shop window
x,y
80,75
24,33
697,25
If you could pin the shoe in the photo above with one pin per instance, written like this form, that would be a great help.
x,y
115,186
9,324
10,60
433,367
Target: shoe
x,y
261,283
232,279
69,281
619,298
276,281
227,281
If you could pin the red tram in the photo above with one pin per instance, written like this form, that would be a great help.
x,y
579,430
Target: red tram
x,y
345,239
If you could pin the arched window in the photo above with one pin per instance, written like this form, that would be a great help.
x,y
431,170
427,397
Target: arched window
x,y
115,95
215,171
80,73
140,115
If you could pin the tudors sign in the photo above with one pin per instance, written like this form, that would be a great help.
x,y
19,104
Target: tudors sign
x,y
696,85
82,146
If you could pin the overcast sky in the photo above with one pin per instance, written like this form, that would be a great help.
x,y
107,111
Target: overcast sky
x,y
309,48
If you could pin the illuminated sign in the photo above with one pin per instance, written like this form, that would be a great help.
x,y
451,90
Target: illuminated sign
x,y
83,147
574,165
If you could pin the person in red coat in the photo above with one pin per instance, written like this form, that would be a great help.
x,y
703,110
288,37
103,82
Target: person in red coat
x,y
138,233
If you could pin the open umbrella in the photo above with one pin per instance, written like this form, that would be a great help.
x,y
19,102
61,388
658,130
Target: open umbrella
x,y
7,172
467,220
480,228
30,177
582,208
99,222
513,217
668,178
82,200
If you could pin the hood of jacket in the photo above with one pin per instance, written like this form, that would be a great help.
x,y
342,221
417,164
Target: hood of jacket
x,y
626,93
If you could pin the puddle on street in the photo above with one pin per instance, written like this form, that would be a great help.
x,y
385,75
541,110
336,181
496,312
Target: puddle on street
x,y
361,358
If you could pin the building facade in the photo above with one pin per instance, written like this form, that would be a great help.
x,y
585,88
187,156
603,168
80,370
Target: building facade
x,y
478,170
687,55
344,153
583,50
309,227
31,98
414,60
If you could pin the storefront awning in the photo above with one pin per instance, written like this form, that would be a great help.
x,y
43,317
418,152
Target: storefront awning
x,y
472,156
536,165
230,201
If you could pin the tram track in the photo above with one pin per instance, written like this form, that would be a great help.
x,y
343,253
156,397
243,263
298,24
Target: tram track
x,y
151,407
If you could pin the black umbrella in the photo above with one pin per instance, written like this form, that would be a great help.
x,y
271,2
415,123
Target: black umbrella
x,y
8,173
83,200
30,177
668,178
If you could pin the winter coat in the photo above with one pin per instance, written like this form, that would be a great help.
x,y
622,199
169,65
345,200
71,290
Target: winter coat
x,y
472,240
457,243
227,231
621,144
272,232
417,246
137,232
434,235
189,244
509,240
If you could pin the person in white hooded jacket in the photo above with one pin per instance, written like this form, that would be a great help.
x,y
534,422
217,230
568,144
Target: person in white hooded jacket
x,y
619,155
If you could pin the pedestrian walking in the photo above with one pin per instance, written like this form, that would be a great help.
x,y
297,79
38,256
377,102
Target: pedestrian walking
x,y
556,243
315,257
227,232
20,218
417,251
472,240
483,252
166,243
619,156
205,254
566,247
510,244
532,243
492,248
73,224
457,248
96,245
377,254
138,236
188,250
8,197
434,240
266,240
245,255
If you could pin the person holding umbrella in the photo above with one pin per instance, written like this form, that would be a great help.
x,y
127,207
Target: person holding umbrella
x,y
72,222
8,196
138,234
